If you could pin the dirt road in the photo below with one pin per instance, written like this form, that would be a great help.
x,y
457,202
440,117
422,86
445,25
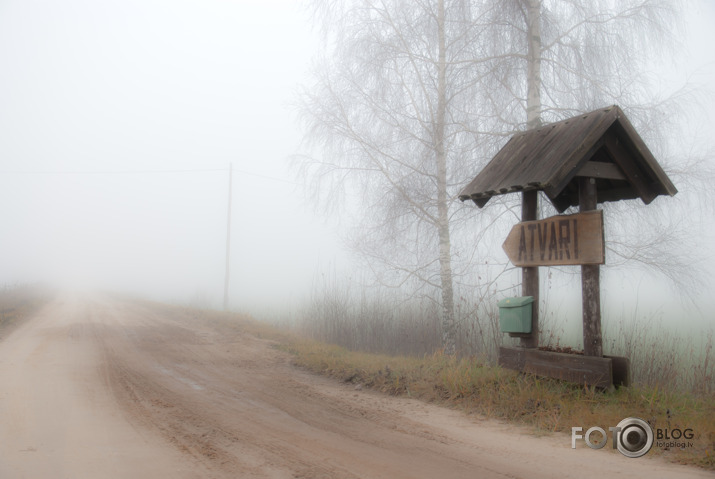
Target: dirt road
x,y
102,388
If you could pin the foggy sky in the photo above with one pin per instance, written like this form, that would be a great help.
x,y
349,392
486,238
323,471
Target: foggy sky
x,y
93,89
118,121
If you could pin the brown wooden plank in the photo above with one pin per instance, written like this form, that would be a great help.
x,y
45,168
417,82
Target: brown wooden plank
x,y
581,154
530,275
590,281
570,367
628,164
591,307
511,358
598,169
626,130
559,240
621,367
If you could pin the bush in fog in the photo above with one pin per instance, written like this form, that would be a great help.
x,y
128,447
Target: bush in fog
x,y
380,320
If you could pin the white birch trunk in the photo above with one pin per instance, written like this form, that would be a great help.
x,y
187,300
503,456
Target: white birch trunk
x,y
533,90
445,253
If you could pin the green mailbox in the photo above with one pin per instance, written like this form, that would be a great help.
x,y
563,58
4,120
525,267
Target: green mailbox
x,y
515,314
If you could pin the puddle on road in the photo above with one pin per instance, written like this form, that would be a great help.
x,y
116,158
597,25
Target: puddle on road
x,y
187,381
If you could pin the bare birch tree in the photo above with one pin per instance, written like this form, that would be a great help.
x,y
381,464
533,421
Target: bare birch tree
x,y
394,112
413,96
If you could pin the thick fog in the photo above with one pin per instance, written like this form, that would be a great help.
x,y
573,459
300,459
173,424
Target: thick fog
x,y
118,122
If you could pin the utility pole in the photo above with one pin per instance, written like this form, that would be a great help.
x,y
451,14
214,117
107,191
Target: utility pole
x,y
228,238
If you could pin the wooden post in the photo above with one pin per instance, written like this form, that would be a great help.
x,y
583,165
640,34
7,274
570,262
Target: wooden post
x,y
530,275
228,238
590,280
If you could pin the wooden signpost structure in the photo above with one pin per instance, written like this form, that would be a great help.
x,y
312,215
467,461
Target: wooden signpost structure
x,y
582,161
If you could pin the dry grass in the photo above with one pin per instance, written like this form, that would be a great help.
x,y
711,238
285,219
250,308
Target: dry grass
x,y
661,357
545,404
18,302
383,321
673,374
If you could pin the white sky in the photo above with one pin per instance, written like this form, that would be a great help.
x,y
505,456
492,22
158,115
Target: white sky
x,y
96,86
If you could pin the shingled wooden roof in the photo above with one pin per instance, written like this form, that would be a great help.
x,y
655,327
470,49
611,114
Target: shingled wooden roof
x,y
602,144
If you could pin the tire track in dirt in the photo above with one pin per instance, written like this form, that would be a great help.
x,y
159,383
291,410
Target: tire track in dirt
x,y
165,376
57,420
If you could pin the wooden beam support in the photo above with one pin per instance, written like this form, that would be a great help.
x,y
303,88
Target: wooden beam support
x,y
512,358
633,173
590,281
530,275
597,169
575,368
570,367
621,367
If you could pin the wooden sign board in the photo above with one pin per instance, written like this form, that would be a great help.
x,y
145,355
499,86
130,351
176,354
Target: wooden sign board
x,y
559,240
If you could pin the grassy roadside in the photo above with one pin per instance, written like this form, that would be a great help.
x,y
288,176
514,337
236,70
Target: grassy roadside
x,y
17,303
544,404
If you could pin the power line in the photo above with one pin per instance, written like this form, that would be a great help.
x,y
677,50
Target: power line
x,y
107,172
228,238
140,172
